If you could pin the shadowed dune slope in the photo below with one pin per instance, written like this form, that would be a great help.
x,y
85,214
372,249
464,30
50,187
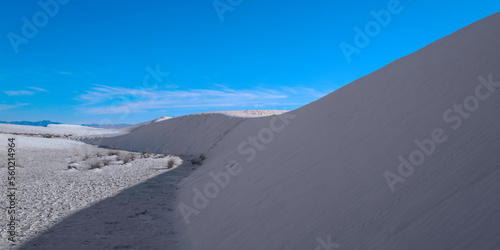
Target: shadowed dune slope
x,y
319,173
191,134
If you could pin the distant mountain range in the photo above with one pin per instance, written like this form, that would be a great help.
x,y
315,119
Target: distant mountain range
x,y
43,123
108,126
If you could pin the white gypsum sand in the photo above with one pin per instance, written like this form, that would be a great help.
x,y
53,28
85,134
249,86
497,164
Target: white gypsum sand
x,y
187,135
56,130
50,191
318,172
61,178
321,175
247,113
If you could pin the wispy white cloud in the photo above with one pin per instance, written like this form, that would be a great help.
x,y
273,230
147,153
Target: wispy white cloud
x,y
25,92
38,89
19,92
118,100
7,106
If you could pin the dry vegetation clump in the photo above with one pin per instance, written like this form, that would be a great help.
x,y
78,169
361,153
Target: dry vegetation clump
x,y
100,163
97,159
113,152
96,164
198,160
106,162
73,165
128,158
170,163
146,154
86,156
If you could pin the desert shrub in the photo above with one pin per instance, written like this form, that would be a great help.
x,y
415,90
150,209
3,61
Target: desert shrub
x,y
106,162
99,154
86,156
166,153
96,164
113,152
72,165
128,158
197,160
170,163
147,154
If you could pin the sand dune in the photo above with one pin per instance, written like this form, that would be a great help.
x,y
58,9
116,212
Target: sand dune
x,y
247,113
188,135
63,130
403,158
323,174
102,203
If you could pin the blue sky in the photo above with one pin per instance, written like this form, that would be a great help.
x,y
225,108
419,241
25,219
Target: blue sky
x,y
132,61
